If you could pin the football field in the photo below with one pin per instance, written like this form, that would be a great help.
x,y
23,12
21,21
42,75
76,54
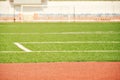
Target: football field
x,y
59,42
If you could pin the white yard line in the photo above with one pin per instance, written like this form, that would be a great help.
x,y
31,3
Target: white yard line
x,y
20,33
22,47
12,51
72,42
68,51
96,32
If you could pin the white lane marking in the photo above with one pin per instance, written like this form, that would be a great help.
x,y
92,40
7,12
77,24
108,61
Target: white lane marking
x,y
22,47
82,51
68,51
96,32
12,51
72,42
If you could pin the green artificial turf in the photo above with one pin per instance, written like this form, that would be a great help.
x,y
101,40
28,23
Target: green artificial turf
x,y
39,32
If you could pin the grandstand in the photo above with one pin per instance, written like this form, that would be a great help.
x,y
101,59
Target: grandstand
x,y
44,10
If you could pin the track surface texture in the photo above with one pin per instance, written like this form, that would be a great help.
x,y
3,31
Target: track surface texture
x,y
61,71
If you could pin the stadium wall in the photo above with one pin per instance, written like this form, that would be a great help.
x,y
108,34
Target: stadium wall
x,y
61,11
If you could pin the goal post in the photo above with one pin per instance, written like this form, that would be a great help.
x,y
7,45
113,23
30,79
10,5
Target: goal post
x,y
28,7
29,11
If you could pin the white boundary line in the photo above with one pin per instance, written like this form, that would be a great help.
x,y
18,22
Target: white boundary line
x,y
12,51
22,47
72,42
68,51
82,51
21,33
96,32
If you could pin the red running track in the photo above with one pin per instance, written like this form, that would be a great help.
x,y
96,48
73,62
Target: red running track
x,y
61,71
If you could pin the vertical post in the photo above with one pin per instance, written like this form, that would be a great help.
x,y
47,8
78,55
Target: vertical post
x,y
21,8
14,14
74,13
